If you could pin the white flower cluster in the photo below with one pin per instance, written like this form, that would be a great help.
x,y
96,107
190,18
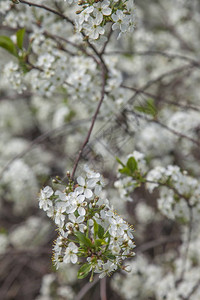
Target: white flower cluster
x,y
55,65
24,191
4,6
13,74
127,184
88,227
161,280
50,287
178,191
95,15
140,283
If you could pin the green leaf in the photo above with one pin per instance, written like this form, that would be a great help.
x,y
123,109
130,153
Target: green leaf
x,y
120,162
84,271
99,242
125,171
100,232
83,239
149,108
132,164
7,44
109,255
20,38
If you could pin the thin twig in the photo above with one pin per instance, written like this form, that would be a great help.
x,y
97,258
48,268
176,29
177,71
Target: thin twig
x,y
103,289
86,288
40,139
47,9
168,74
106,43
80,47
185,256
185,106
156,243
104,73
11,277
161,53
192,291
181,135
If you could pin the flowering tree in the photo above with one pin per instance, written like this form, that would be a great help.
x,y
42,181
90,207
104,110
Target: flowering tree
x,y
83,91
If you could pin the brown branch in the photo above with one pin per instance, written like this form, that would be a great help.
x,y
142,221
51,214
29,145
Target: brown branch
x,y
192,291
140,91
161,53
40,139
156,243
104,74
181,135
80,47
106,43
103,289
169,186
12,276
169,73
185,256
86,288
159,78
47,9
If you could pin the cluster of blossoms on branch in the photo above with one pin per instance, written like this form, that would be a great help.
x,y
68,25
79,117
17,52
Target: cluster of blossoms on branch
x,y
126,183
179,192
90,232
51,64
95,15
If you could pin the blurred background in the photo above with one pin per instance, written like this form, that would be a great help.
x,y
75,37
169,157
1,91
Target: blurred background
x,y
42,129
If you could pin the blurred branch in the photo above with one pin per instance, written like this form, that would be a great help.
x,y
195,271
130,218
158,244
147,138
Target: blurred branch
x,y
40,139
16,270
106,43
156,243
168,74
86,288
181,135
161,53
192,291
185,256
47,9
103,289
140,91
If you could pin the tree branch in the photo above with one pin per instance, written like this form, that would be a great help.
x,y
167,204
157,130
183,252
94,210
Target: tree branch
x,y
104,74
47,9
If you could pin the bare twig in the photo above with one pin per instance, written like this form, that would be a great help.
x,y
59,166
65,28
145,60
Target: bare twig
x,y
106,43
140,91
185,256
80,47
12,276
168,74
47,9
104,73
161,53
156,243
40,139
86,288
192,291
103,289
181,135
